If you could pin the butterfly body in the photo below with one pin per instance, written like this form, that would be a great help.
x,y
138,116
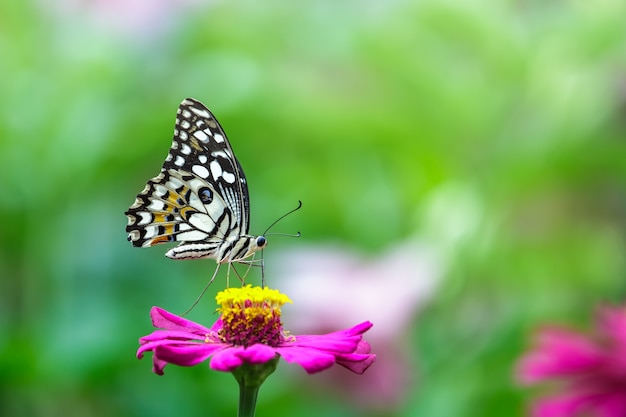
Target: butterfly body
x,y
199,199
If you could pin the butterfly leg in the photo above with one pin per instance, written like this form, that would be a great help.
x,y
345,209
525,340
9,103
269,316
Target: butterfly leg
x,y
252,262
249,262
262,272
206,287
241,278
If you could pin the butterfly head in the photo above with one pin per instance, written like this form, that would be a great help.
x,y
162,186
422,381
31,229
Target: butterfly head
x,y
260,242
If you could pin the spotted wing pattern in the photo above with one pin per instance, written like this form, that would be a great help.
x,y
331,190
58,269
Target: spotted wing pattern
x,y
200,197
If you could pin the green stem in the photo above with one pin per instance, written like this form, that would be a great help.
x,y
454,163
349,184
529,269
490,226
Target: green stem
x,y
250,377
247,400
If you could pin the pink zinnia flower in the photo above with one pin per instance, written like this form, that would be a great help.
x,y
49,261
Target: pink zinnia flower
x,y
592,369
249,332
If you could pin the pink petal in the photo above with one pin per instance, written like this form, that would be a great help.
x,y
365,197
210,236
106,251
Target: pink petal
x,y
575,404
559,352
318,352
228,359
187,355
323,342
613,404
359,361
558,406
612,322
171,335
363,347
344,341
174,338
163,319
153,344
311,359
257,354
158,365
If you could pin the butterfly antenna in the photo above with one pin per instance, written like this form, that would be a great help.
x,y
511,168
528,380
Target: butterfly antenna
x,y
283,216
297,234
276,234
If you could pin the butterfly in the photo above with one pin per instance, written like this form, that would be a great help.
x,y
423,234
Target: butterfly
x,y
199,199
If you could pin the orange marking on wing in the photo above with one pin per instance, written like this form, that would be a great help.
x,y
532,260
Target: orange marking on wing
x,y
185,212
173,199
159,218
160,239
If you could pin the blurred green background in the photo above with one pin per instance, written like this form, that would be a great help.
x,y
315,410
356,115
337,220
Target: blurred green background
x,y
492,130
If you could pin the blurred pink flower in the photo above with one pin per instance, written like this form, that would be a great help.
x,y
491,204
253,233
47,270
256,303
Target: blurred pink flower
x,y
591,369
130,19
249,331
388,289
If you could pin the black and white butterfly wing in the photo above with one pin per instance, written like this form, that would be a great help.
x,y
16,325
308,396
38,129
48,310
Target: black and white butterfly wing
x,y
200,197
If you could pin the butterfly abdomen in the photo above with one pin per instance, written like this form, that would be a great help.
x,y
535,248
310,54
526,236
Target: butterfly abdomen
x,y
198,250
226,251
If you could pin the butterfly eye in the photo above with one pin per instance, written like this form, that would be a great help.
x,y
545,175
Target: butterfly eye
x,y
261,241
206,196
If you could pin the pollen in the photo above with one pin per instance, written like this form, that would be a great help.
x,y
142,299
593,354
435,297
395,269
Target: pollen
x,y
251,315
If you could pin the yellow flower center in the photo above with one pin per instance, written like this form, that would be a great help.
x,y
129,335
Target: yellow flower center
x,y
251,315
